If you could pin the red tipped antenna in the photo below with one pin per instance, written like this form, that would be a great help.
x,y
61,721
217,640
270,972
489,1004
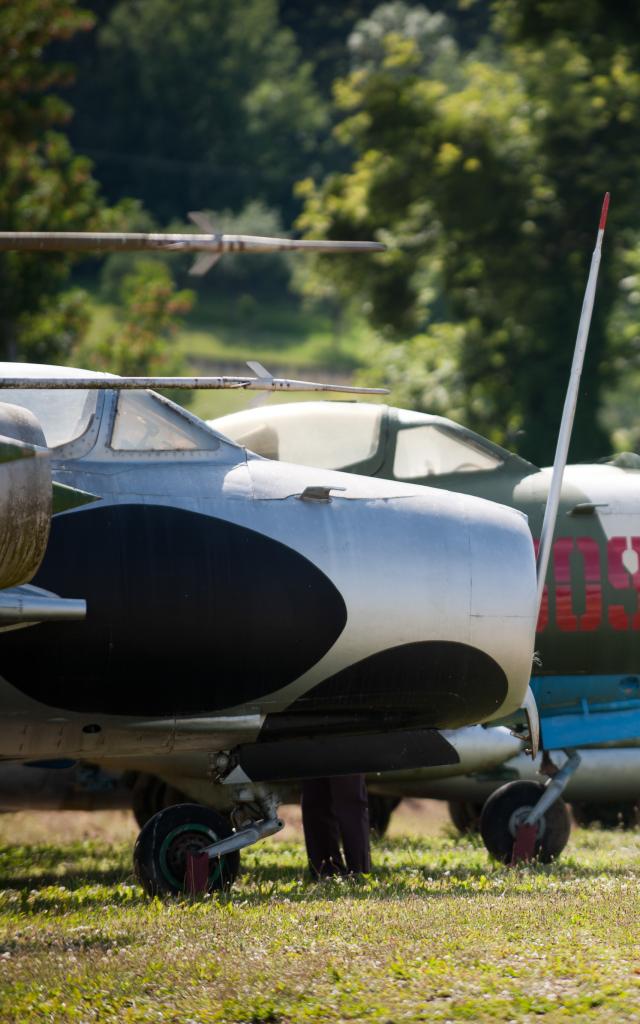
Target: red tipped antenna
x,y
568,413
605,210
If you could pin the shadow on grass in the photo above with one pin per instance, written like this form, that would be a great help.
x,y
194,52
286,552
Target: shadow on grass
x,y
69,879
72,866
52,882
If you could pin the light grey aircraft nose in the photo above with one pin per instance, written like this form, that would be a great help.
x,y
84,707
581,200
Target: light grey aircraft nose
x,y
439,591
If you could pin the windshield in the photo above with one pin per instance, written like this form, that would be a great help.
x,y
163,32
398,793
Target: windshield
x,y
433,451
146,422
329,435
63,415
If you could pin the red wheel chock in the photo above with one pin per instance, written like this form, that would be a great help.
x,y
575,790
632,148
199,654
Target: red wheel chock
x,y
197,874
524,844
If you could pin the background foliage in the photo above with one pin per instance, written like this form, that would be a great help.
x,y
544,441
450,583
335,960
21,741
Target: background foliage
x,y
487,170
475,139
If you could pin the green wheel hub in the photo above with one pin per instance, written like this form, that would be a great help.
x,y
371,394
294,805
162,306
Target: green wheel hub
x,y
189,838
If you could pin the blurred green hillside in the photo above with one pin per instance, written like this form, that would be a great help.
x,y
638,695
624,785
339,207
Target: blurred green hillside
x,y
219,336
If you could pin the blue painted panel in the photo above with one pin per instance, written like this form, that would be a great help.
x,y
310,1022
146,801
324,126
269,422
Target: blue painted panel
x,y
591,729
555,693
577,711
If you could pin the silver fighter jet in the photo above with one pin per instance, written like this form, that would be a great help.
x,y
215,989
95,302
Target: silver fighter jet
x,y
248,621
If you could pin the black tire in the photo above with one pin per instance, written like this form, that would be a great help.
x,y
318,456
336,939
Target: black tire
x,y
465,815
172,796
159,857
145,797
508,806
150,795
607,816
380,810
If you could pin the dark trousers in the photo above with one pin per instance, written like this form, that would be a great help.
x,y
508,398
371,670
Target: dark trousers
x,y
336,811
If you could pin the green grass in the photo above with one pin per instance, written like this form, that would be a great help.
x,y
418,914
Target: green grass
x,y
219,336
281,332
436,933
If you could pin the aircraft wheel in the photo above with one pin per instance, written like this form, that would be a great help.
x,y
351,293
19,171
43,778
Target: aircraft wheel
x,y
144,797
150,795
508,807
380,810
160,854
465,815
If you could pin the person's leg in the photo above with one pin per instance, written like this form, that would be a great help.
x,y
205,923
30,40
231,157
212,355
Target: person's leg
x,y
321,834
351,808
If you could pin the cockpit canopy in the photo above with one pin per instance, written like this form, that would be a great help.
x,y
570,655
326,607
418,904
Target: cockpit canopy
x,y
329,435
64,414
146,422
363,437
143,420
432,446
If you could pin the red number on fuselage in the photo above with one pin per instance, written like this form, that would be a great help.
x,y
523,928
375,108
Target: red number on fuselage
x,y
622,579
566,619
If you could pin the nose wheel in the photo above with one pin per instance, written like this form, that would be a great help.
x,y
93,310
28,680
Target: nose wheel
x,y
380,810
150,795
165,842
508,808
465,815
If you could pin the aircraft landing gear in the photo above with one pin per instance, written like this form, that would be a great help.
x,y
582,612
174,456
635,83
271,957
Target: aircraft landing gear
x,y
191,848
465,815
526,820
506,811
150,794
161,853
380,810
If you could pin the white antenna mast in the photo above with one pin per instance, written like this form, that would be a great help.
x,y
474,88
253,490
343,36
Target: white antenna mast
x,y
568,413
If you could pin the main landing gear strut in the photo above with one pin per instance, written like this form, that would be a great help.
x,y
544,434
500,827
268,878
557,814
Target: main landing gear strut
x,y
523,821
192,849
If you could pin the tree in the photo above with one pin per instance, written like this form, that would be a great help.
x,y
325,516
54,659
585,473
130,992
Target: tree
x,y
321,30
149,314
486,181
43,184
197,103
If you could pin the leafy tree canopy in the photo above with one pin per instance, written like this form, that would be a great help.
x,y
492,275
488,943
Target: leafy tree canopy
x,y
150,310
484,173
43,183
209,104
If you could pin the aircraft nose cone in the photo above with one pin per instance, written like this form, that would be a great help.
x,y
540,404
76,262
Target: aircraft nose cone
x,y
440,597
502,595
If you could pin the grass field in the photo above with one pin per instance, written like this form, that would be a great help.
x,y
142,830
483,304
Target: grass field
x,y
291,340
436,933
